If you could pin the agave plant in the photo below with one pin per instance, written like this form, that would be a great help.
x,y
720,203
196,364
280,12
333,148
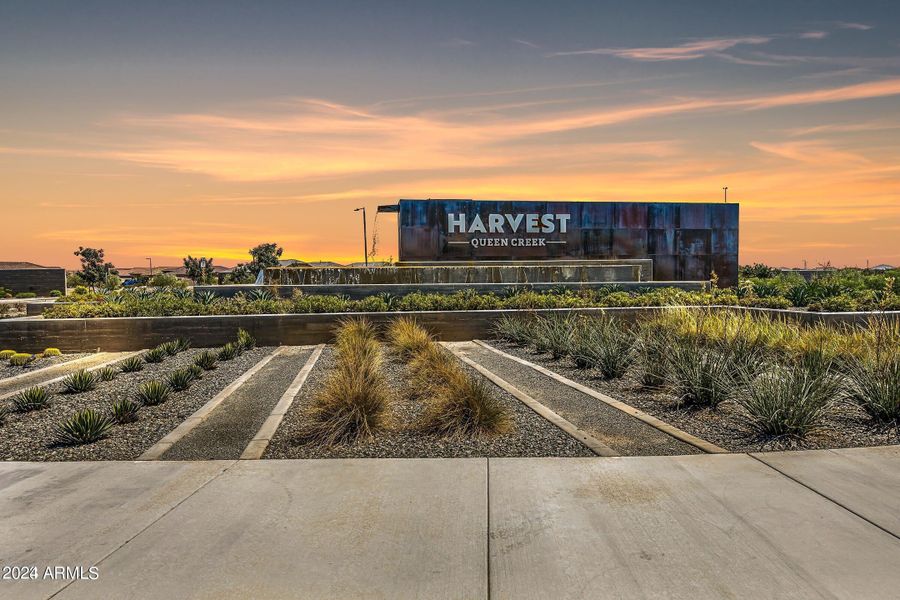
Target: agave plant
x,y
125,410
153,392
228,351
84,427
206,298
196,371
180,380
33,398
80,381
106,374
206,360
3,413
155,355
170,348
244,340
132,364
260,294
182,344
182,293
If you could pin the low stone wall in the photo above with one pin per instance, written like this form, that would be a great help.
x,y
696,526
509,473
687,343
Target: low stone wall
x,y
136,333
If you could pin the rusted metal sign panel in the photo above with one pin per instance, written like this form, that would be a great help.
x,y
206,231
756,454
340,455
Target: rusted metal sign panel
x,y
686,241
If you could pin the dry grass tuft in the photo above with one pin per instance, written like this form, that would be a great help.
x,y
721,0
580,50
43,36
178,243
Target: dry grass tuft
x,y
407,337
354,401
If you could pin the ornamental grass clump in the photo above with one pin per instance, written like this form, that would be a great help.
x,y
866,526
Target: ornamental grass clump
x,y
407,337
180,380
206,360
790,400
874,386
652,351
355,398
515,330
152,393
125,410
554,334
701,376
80,382
5,354
604,344
51,352
84,427
465,406
33,398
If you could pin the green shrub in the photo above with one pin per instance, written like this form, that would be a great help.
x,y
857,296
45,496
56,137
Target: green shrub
x,y
5,354
84,427
51,352
33,398
874,385
132,364
56,293
106,373
228,351
206,360
20,359
79,382
245,341
155,355
26,295
840,303
152,393
125,410
789,401
604,344
180,380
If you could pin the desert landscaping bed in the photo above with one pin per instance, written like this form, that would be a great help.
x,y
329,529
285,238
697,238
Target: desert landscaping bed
x,y
9,370
32,435
531,434
811,383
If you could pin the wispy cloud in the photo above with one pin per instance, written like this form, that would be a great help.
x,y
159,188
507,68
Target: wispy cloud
x,y
816,152
526,43
813,35
687,51
458,43
856,26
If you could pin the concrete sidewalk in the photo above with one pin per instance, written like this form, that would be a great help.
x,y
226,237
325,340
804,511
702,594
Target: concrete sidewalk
x,y
813,524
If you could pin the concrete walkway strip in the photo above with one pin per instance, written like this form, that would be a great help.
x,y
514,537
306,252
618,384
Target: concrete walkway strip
x,y
595,445
13,385
76,514
698,527
257,446
865,481
355,528
640,415
159,448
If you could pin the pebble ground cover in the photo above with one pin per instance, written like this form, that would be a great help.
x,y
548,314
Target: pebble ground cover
x,y
743,382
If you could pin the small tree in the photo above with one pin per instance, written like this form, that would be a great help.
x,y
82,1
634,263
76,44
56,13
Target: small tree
x,y
94,272
241,274
199,269
264,255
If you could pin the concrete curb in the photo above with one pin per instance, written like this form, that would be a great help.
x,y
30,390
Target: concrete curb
x,y
640,415
595,445
159,448
116,357
257,446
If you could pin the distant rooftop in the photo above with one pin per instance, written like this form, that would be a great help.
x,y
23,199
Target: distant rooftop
x,y
22,265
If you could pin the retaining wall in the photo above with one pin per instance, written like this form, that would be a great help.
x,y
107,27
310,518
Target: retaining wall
x,y
136,333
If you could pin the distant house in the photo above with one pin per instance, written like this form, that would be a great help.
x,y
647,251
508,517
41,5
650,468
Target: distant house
x,y
883,267
26,277
181,272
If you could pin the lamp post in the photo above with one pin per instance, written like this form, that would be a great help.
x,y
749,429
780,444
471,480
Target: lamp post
x,y
726,194
365,235
151,266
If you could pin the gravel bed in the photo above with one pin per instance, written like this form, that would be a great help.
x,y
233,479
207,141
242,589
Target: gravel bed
x,y
30,436
8,370
846,425
531,436
228,430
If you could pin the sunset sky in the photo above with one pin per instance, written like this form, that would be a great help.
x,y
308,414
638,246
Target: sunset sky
x,y
165,129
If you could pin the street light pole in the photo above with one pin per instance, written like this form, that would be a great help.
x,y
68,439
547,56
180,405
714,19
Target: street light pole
x,y
726,194
151,266
365,235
